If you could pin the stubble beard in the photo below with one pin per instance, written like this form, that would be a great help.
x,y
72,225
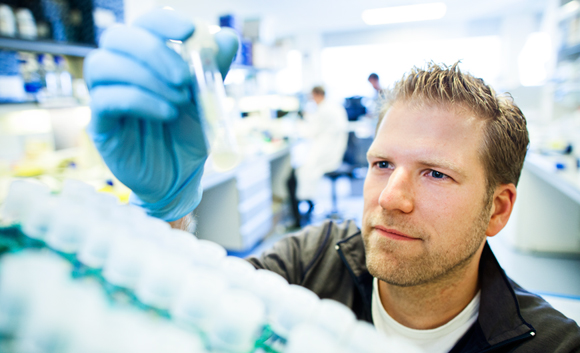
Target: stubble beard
x,y
427,266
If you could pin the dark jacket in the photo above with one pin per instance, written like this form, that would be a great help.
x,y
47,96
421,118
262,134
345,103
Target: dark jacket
x,y
330,260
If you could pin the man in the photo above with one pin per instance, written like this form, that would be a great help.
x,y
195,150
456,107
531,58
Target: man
x,y
377,101
326,132
443,173
374,81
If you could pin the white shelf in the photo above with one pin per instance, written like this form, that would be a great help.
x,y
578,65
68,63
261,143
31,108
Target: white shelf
x,y
567,181
60,103
45,46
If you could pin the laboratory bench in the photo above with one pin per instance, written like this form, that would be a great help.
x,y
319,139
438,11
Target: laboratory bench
x,y
237,210
546,216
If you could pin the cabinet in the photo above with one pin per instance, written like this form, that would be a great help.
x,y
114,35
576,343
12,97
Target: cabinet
x,y
567,73
236,208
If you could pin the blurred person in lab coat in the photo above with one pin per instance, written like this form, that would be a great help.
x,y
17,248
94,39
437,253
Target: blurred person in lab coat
x,y
443,170
377,101
374,81
326,131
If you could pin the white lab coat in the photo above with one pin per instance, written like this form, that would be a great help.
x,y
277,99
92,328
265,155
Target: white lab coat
x,y
327,132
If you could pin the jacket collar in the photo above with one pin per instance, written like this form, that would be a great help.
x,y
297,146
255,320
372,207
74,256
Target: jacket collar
x,y
499,311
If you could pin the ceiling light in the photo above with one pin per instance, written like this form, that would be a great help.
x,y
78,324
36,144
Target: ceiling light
x,y
398,14
571,7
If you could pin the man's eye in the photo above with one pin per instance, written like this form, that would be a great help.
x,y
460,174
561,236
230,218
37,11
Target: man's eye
x,y
383,165
437,175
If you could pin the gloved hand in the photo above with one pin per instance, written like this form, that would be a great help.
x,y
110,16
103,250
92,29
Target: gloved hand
x,y
145,122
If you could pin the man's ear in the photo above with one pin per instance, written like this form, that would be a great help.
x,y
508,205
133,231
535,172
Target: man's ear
x,y
503,201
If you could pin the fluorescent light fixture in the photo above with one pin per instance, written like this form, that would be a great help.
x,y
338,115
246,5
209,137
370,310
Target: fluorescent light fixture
x,y
213,29
571,7
410,13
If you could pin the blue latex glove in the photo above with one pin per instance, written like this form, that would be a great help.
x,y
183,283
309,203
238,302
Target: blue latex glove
x,y
144,120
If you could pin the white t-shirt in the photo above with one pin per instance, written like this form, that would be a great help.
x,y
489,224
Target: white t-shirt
x,y
437,340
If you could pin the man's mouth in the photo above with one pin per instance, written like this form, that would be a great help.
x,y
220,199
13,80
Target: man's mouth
x,y
394,234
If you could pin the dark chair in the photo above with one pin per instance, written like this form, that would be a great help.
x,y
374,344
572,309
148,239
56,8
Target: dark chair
x,y
345,170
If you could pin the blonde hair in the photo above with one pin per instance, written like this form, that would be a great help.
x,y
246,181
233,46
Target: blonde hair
x,y
505,133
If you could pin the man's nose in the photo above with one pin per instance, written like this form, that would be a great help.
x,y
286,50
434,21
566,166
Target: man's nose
x,y
398,194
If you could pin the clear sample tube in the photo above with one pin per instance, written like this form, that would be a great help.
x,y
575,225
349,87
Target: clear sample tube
x,y
200,51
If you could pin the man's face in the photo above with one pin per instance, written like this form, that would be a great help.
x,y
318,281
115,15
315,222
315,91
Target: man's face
x,y
425,205
317,97
375,83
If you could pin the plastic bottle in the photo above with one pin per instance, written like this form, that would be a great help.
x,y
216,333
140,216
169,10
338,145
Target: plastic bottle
x,y
63,77
200,51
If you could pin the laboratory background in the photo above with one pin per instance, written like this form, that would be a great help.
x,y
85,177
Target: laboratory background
x,y
529,48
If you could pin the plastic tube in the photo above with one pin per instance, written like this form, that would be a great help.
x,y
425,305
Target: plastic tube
x,y
200,52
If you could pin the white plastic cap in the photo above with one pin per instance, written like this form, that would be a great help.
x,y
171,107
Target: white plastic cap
x,y
24,278
198,299
126,260
295,307
238,322
36,224
103,203
208,254
169,338
21,194
238,272
334,317
307,338
97,245
180,243
269,287
69,226
364,338
161,277
77,191
130,215
154,229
